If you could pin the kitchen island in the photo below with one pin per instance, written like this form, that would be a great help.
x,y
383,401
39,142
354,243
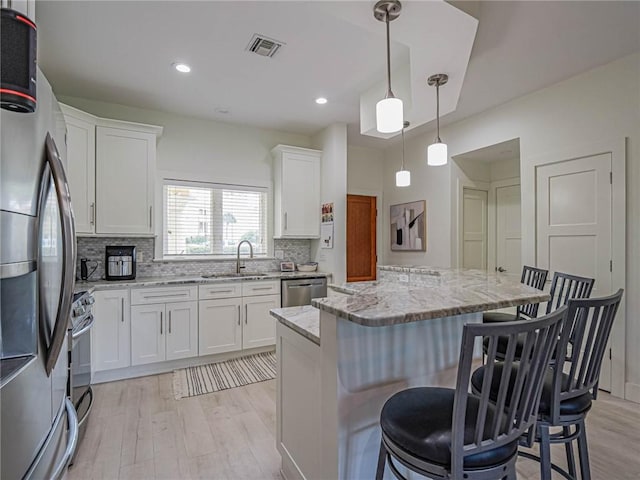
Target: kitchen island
x,y
340,361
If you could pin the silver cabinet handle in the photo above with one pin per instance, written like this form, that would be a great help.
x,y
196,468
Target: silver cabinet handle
x,y
122,309
162,295
220,291
261,288
151,217
285,220
68,252
169,321
239,315
160,323
246,313
92,218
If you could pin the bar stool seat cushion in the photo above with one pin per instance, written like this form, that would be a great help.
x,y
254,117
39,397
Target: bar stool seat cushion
x,y
419,421
571,406
495,317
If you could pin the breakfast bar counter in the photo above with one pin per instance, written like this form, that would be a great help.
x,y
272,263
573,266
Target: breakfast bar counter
x,y
374,339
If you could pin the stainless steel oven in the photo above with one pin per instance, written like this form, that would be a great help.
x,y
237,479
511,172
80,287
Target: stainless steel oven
x,y
79,389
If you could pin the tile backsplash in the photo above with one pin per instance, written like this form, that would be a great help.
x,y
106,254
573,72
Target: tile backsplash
x,y
93,248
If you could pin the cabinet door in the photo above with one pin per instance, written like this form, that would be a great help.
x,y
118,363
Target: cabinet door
x,y
182,330
125,165
110,335
300,195
148,331
259,327
219,326
81,171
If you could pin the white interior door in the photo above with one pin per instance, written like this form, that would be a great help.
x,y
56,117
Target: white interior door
x,y
508,230
574,224
474,229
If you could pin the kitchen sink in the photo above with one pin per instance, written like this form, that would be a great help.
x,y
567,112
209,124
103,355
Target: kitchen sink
x,y
234,275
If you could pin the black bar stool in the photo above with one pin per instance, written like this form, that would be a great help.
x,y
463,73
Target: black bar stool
x,y
450,433
563,287
569,387
532,276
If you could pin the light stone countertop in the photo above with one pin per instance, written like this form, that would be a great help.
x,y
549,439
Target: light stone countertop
x,y
181,280
305,320
409,294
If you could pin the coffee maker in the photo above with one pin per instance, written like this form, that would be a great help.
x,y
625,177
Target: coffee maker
x,y
120,263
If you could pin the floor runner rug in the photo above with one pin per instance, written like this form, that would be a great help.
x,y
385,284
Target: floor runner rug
x,y
213,377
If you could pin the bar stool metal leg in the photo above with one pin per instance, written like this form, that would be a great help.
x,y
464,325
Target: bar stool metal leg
x,y
571,460
382,460
545,452
583,452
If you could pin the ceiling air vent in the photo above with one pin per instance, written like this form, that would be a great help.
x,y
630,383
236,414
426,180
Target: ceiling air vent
x,y
267,47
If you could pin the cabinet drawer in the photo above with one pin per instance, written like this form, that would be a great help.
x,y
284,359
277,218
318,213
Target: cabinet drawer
x,y
146,296
220,290
261,287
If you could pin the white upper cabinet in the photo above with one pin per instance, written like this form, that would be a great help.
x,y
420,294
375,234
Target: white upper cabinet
x,y
81,167
111,166
296,178
125,170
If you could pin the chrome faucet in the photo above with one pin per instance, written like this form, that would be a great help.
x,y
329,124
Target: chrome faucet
x,y
238,267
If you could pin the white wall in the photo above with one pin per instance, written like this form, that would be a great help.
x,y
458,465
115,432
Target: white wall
x,y
599,105
214,151
333,188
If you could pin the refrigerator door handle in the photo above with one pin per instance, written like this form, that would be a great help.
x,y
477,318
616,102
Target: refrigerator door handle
x,y
72,424
68,253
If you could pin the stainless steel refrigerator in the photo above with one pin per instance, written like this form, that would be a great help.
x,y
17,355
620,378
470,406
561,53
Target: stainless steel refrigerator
x,y
37,263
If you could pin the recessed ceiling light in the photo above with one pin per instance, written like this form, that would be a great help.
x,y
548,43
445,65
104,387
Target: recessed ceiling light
x,y
182,67
321,100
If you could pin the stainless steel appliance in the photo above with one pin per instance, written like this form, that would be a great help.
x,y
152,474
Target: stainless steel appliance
x,y
300,291
38,424
120,263
79,387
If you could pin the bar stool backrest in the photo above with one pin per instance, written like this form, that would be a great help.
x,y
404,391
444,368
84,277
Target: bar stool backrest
x,y
536,278
590,322
565,286
516,405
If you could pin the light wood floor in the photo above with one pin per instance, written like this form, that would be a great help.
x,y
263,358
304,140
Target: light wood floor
x,y
137,430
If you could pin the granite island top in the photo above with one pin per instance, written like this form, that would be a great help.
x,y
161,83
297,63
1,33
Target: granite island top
x,y
170,280
409,294
305,320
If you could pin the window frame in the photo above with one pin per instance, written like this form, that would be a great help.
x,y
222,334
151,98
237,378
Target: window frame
x,y
227,184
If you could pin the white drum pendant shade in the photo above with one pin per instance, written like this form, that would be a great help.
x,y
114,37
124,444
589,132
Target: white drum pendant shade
x,y
389,115
437,154
403,178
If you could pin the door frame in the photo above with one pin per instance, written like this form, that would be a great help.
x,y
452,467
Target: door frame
x,y
617,148
492,220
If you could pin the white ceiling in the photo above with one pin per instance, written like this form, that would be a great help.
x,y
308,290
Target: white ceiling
x,y
121,52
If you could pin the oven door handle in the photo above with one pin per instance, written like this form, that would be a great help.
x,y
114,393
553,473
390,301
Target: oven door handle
x,y
83,330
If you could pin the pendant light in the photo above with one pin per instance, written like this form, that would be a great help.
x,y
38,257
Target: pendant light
x,y
403,177
437,151
389,112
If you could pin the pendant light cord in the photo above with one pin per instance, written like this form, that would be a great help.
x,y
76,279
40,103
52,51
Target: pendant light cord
x,y
389,92
402,148
438,112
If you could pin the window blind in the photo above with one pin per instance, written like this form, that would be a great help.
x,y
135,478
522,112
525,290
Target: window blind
x,y
211,219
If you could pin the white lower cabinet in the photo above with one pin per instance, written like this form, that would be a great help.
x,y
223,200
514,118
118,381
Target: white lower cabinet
x,y
259,327
239,322
220,327
163,331
111,334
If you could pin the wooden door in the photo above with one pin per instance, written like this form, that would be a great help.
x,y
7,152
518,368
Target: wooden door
x,y
574,201
508,231
474,229
361,238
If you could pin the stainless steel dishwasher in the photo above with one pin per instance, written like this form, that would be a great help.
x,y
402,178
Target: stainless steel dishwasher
x,y
300,291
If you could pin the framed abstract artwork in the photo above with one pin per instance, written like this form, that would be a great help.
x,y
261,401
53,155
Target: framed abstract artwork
x,y
408,227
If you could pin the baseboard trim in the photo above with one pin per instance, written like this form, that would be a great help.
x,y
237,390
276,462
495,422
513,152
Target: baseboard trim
x,y
632,392
171,365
